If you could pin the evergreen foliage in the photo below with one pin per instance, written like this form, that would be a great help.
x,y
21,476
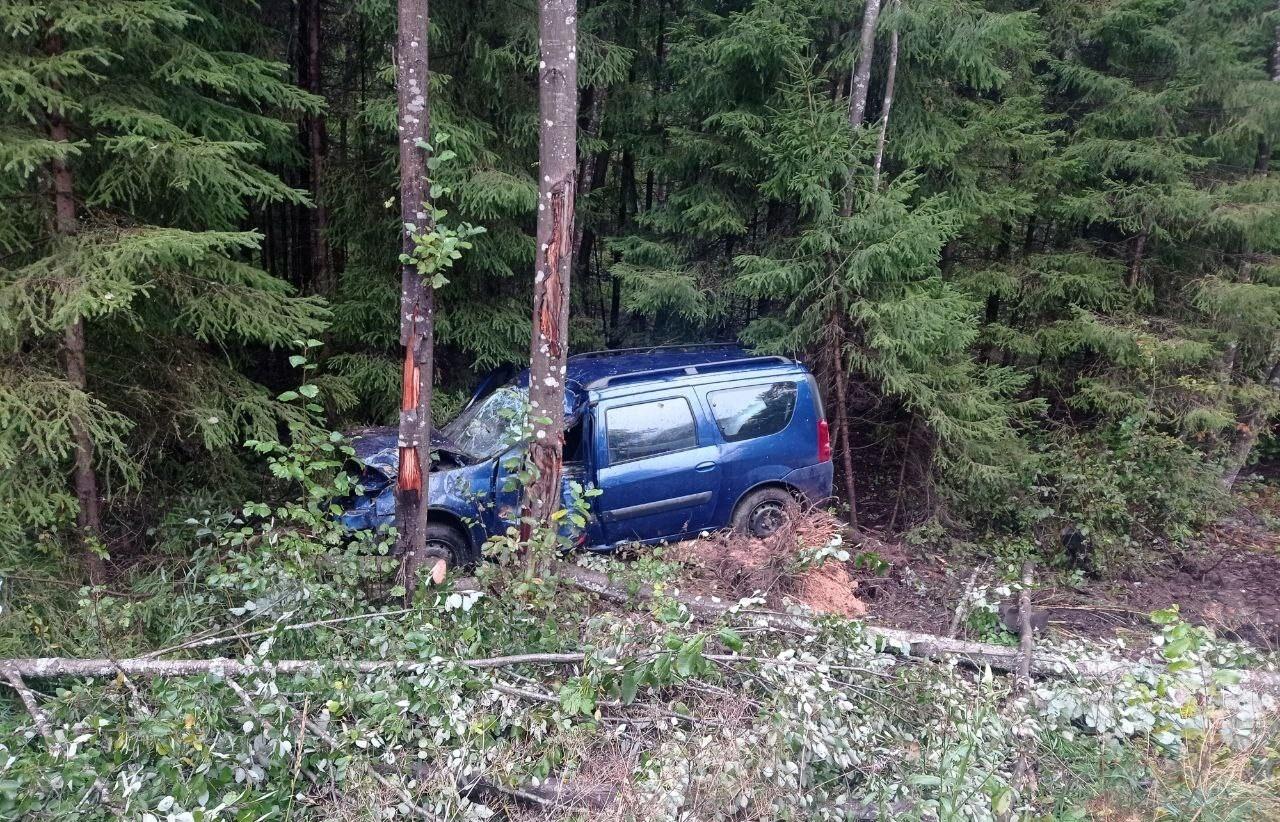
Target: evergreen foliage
x,y
170,128
1071,248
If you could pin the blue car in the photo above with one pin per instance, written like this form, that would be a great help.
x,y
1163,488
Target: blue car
x,y
678,439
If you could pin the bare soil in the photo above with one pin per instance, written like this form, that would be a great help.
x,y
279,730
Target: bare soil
x,y
1227,579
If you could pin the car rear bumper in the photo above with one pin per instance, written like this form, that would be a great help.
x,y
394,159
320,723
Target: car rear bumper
x,y
814,481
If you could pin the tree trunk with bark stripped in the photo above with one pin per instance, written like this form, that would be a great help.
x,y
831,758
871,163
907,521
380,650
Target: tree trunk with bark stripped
x,y
557,167
416,295
85,481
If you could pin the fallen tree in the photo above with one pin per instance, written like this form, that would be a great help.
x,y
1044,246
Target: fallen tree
x,y
50,667
897,641
911,644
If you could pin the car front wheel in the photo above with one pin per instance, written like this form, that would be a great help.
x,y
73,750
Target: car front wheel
x,y
446,540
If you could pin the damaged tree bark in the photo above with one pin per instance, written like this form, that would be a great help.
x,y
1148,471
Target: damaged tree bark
x,y
416,295
65,224
553,263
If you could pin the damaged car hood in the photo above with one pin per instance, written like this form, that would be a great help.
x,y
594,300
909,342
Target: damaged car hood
x,y
377,448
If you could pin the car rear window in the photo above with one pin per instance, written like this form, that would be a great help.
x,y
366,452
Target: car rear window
x,y
753,411
649,429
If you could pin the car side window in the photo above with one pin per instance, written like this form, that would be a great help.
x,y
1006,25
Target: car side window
x,y
649,429
753,411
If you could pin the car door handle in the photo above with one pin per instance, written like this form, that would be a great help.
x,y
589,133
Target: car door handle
x,y
704,466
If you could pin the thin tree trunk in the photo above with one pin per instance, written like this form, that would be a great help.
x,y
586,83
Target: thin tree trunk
x,y
1250,428
887,106
860,80
321,276
553,263
416,294
1275,54
88,513
1262,164
1137,248
840,380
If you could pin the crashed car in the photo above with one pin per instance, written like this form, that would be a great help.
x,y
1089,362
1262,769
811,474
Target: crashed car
x,y
677,440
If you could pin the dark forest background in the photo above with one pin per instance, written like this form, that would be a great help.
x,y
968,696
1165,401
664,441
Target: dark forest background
x,y
1038,282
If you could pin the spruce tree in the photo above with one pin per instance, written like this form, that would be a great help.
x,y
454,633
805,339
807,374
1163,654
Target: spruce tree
x,y
134,138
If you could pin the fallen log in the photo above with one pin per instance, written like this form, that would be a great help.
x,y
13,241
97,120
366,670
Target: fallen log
x,y
894,640
48,667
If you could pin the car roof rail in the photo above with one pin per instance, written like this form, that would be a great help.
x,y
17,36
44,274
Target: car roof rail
x,y
655,349
687,370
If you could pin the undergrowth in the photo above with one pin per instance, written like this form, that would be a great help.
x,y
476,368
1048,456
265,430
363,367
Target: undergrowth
x,y
663,717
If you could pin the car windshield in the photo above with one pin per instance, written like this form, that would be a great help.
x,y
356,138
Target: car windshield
x,y
491,425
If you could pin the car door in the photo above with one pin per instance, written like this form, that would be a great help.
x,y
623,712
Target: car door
x,y
765,437
658,468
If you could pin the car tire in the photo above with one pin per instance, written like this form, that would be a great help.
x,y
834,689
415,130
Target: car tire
x,y
444,537
761,513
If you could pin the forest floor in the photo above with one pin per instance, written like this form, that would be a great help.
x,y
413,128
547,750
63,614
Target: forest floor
x,y
1227,578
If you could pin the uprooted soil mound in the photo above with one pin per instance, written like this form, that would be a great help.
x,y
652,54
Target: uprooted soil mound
x,y
789,565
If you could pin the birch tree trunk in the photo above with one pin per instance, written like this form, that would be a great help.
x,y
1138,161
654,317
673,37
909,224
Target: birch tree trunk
x,y
85,481
557,167
887,106
416,295
860,81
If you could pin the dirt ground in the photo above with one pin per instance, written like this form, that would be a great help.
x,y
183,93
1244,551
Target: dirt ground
x,y
1228,579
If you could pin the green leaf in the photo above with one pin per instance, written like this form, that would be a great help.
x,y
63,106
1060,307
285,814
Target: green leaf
x,y
689,658
628,687
297,360
309,391
731,639
288,396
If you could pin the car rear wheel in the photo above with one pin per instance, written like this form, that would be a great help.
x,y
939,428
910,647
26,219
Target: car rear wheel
x,y
763,513
448,541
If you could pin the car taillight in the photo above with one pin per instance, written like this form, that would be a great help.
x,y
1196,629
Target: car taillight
x,y
824,441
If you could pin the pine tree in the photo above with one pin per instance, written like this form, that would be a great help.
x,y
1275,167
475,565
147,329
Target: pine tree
x,y
134,133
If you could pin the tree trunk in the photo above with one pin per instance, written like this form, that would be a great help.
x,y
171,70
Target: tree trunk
x,y
1137,248
887,106
1262,164
416,295
1250,428
88,513
321,277
1275,54
553,263
840,381
860,80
